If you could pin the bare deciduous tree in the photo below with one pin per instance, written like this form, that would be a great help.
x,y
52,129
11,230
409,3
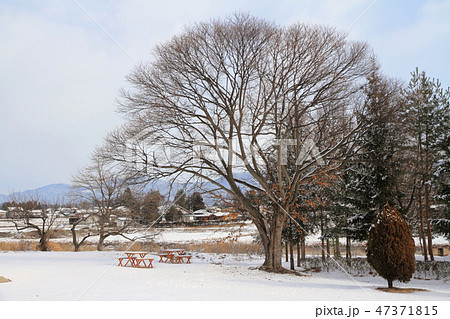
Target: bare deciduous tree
x,y
101,186
29,213
239,95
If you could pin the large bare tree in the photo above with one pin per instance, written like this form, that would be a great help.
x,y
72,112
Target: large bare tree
x,y
244,95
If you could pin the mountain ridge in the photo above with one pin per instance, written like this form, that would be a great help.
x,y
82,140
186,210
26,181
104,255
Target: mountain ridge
x,y
60,192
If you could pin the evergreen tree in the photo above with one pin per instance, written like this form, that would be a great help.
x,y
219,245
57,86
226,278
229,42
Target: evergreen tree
x,y
180,198
390,246
127,198
173,215
441,168
425,102
371,179
195,202
150,206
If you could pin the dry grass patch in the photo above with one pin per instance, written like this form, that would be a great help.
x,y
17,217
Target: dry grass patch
x,y
27,245
3,279
397,290
205,247
136,246
224,248
17,245
316,250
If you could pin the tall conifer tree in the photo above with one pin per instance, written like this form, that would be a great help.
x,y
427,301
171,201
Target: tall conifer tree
x,y
372,177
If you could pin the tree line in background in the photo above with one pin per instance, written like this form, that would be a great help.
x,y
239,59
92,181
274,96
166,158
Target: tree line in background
x,y
96,204
402,158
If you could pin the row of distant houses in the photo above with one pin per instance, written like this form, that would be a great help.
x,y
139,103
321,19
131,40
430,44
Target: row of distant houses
x,y
211,213
66,215
120,215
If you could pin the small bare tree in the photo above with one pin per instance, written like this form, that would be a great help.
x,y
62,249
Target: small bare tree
x,y
244,95
99,185
77,242
29,213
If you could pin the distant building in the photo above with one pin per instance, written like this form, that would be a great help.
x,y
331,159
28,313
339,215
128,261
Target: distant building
x,y
14,212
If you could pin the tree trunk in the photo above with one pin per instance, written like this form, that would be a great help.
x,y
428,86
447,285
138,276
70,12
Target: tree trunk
x,y
390,283
286,253
101,240
298,254
272,244
322,240
427,212
76,247
348,249
291,253
422,228
328,248
43,243
427,199
348,252
337,247
303,243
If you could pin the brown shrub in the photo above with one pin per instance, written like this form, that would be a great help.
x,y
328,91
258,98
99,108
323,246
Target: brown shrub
x,y
390,246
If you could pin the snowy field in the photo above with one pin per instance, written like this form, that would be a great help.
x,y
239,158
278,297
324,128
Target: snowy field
x,y
96,276
69,276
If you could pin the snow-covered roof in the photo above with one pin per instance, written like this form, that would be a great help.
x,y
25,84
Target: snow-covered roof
x,y
201,212
221,214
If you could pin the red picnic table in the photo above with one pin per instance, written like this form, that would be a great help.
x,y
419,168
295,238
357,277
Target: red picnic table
x,y
135,261
174,256
169,254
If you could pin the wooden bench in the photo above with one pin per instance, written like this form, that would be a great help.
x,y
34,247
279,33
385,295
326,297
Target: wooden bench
x,y
161,256
168,257
146,263
180,259
129,260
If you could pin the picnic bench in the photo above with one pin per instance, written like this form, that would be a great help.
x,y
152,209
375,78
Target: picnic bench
x,y
175,256
169,254
180,258
134,261
139,259
146,263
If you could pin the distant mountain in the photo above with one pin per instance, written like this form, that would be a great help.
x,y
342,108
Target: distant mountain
x,y
60,193
52,193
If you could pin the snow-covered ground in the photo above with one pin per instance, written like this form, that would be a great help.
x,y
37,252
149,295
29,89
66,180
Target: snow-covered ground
x,y
96,276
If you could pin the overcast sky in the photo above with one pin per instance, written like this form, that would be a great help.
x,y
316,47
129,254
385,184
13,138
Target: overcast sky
x,y
60,72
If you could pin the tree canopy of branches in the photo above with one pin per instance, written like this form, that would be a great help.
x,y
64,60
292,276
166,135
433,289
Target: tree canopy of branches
x,y
230,96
